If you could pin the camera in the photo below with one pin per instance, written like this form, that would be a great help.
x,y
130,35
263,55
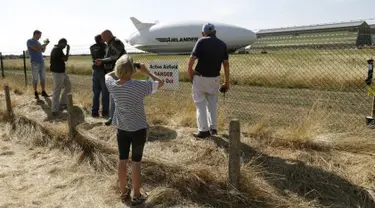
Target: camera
x,y
46,41
137,65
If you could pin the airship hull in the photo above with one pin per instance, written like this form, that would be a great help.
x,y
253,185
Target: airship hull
x,y
180,37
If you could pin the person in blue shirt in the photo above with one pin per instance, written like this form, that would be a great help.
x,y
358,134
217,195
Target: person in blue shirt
x,y
37,62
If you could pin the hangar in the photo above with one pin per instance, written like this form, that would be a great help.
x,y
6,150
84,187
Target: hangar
x,y
372,29
345,34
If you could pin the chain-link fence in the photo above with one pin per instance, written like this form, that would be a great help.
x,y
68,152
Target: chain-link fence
x,y
285,84
279,84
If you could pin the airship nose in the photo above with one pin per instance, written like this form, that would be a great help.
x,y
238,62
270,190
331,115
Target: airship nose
x,y
246,36
249,34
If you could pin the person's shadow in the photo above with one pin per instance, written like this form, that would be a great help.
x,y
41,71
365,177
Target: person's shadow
x,y
46,105
77,113
161,134
311,183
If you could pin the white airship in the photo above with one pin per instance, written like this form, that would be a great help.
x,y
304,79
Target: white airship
x,y
180,37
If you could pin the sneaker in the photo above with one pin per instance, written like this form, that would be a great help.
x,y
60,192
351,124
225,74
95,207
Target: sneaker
x,y
95,115
44,94
63,107
108,122
213,132
202,134
137,200
125,196
36,95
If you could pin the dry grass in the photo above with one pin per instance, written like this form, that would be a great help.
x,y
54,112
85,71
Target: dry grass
x,y
313,161
333,69
179,171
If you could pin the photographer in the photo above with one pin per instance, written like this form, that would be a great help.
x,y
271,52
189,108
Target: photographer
x,y
60,77
130,119
37,62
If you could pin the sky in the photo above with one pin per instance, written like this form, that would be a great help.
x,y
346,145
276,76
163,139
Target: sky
x,y
80,20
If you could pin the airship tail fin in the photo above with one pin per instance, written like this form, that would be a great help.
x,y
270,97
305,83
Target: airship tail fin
x,y
140,25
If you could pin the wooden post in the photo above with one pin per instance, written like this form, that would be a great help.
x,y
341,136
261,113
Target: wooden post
x,y
234,154
373,107
2,65
24,66
70,116
8,101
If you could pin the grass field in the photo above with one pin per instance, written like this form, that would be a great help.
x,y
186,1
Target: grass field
x,y
265,110
276,88
334,69
304,142
304,156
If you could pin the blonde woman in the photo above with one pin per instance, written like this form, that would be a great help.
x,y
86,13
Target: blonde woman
x,y
130,119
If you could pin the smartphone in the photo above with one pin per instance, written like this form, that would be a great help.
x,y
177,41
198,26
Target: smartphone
x,y
137,65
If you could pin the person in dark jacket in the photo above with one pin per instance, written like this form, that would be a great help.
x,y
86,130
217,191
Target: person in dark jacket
x,y
115,49
97,51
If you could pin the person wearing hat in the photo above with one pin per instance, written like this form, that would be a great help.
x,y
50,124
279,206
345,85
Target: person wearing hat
x,y
211,53
60,78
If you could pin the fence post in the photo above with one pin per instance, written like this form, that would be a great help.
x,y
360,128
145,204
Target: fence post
x,y
24,66
373,107
234,154
8,101
70,116
2,65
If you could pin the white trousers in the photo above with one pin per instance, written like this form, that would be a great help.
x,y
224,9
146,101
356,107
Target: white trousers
x,y
205,96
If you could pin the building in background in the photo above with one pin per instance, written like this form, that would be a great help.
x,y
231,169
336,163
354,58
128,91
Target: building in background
x,y
372,30
355,34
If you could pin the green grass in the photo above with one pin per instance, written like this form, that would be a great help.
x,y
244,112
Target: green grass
x,y
307,39
334,69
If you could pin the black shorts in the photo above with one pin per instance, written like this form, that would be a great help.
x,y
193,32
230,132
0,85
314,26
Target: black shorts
x,y
136,139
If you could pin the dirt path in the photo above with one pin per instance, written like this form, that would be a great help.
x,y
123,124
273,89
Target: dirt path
x,y
42,177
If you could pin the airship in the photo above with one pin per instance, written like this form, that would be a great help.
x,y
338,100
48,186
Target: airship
x,y
180,37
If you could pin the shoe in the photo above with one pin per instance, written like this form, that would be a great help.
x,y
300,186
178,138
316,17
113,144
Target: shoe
x,y
95,115
54,114
105,115
213,132
44,94
63,107
108,122
36,95
125,196
202,134
137,200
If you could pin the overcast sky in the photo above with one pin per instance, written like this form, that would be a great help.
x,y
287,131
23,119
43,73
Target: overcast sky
x,y
80,20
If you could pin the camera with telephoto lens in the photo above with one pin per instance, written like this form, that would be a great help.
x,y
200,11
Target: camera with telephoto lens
x,y
370,61
223,89
137,65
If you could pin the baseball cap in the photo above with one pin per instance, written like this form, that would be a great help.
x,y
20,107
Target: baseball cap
x,y
208,27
